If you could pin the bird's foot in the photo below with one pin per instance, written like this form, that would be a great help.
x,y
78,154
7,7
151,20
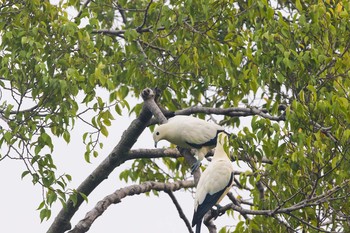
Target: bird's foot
x,y
195,166
216,212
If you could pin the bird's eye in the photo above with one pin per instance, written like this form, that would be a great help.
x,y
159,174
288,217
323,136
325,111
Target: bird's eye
x,y
157,133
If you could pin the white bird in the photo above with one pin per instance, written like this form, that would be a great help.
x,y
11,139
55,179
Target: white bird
x,y
191,133
214,183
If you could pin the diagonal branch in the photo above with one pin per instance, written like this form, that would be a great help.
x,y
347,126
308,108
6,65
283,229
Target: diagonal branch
x,y
116,197
139,28
114,159
179,209
82,8
209,223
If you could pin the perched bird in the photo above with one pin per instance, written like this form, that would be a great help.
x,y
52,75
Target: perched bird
x,y
214,183
191,133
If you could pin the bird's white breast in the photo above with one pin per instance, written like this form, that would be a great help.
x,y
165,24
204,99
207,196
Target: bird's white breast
x,y
214,179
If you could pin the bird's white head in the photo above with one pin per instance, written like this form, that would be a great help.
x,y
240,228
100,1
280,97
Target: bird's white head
x,y
158,134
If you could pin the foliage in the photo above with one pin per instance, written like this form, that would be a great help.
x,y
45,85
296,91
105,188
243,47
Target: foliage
x,y
208,53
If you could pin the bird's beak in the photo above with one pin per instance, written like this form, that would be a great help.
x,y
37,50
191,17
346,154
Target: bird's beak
x,y
155,144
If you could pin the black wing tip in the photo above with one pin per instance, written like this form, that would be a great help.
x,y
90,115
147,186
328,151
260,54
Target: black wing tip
x,y
194,219
198,227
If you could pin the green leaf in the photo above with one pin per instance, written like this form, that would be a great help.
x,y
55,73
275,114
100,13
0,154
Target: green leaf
x,y
24,174
131,34
45,213
298,5
66,136
8,137
87,156
104,130
74,197
84,197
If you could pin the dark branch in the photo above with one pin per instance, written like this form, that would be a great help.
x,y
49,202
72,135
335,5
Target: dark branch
x,y
233,112
115,158
83,7
174,153
179,209
139,28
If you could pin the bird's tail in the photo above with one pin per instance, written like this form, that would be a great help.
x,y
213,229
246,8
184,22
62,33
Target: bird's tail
x,y
198,227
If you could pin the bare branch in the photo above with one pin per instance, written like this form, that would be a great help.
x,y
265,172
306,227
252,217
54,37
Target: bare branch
x,y
233,112
174,153
116,197
122,13
110,32
139,28
209,223
120,33
236,202
115,158
179,209
325,130
153,107
314,201
82,8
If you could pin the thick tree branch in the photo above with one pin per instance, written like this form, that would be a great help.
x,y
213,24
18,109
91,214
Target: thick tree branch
x,y
209,223
115,158
116,197
174,153
233,112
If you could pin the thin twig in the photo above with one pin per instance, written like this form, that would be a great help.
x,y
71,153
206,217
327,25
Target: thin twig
x,y
179,209
139,28
82,8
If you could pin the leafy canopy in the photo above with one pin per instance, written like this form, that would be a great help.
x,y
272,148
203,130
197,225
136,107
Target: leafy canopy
x,y
208,53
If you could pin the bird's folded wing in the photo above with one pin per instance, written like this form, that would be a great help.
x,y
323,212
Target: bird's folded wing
x,y
209,201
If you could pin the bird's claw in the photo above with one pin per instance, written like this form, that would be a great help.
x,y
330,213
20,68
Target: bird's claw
x,y
195,166
216,212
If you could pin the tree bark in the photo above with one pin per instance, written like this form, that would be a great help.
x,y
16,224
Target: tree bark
x,y
115,158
